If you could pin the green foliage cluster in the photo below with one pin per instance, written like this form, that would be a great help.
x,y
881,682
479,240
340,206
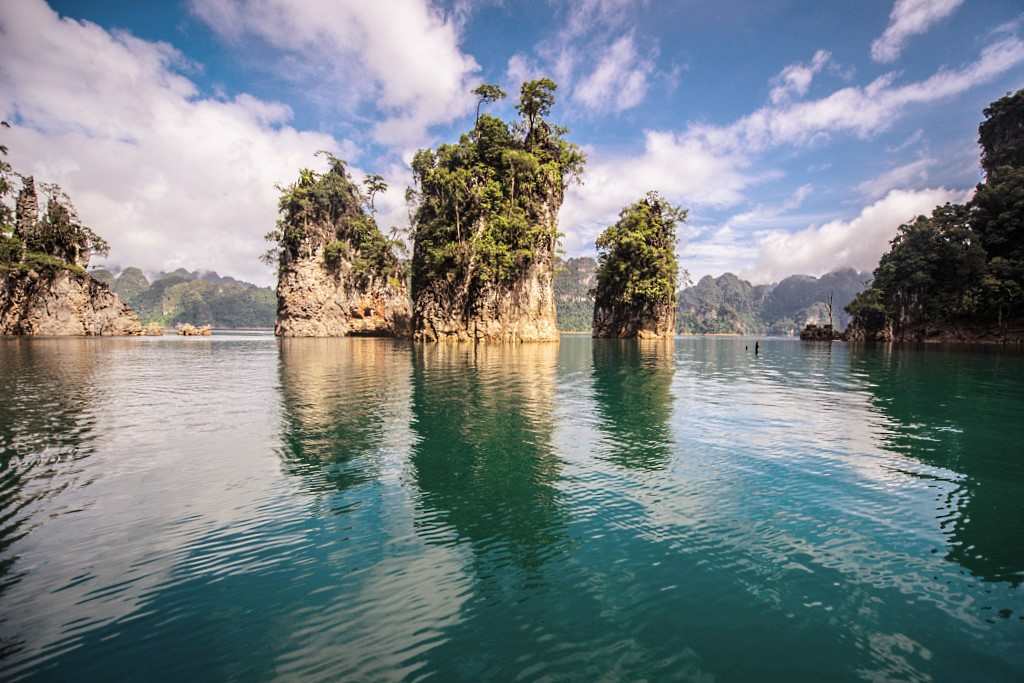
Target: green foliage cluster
x,y
637,264
329,209
57,241
965,262
482,207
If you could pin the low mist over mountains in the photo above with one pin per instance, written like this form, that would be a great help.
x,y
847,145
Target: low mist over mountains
x,y
726,304
197,298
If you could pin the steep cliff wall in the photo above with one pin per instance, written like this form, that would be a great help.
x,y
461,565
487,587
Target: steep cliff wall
x,y
315,300
649,321
61,303
523,310
337,273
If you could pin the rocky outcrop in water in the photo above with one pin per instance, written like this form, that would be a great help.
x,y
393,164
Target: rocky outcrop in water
x,y
486,225
317,301
337,273
44,289
636,276
519,311
60,303
624,321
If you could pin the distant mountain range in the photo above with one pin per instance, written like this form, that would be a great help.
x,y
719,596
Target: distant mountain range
x,y
726,304
722,305
199,298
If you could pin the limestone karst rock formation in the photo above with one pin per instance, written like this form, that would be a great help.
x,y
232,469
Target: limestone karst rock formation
x,y
485,225
44,289
338,274
636,276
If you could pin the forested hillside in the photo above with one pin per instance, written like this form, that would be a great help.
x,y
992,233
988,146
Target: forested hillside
x,y
193,297
574,278
729,305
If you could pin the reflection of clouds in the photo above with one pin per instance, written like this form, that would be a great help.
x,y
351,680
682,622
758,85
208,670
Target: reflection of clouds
x,y
108,528
783,467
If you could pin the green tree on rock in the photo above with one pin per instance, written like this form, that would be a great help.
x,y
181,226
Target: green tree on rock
x,y
485,93
637,271
484,209
962,267
327,211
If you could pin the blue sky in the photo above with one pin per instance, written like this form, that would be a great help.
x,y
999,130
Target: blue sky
x,y
798,134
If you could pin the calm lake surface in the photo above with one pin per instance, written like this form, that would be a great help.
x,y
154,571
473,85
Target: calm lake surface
x,y
239,508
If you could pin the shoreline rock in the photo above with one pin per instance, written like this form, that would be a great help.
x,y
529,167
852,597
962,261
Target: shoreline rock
x,y
62,303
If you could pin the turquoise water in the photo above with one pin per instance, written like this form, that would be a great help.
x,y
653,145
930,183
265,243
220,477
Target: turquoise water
x,y
239,508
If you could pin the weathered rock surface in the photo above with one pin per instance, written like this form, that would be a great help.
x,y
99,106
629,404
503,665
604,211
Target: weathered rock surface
x,y
649,322
523,311
315,300
62,303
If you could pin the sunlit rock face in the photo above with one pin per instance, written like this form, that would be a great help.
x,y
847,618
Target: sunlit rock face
x,y
316,300
521,310
62,303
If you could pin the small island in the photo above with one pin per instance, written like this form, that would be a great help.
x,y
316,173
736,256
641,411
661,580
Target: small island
x,y
485,225
44,287
636,272
338,275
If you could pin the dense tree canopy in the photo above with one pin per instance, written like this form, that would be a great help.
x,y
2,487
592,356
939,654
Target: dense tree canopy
x,y
637,264
964,263
328,210
482,207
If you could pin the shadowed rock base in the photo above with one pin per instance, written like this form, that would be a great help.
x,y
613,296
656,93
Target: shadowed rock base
x,y
624,322
313,301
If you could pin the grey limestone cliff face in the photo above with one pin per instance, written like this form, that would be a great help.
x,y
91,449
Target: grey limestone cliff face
x,y
646,322
62,303
318,300
523,311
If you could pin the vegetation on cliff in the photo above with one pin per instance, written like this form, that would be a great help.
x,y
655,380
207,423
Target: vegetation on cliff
x,y
328,211
56,240
637,269
485,208
959,271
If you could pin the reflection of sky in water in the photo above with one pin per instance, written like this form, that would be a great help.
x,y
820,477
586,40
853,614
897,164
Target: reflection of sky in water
x,y
368,508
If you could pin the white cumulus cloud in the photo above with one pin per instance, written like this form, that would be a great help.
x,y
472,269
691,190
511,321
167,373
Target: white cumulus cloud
x,y
401,56
795,79
907,19
858,242
170,177
618,82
